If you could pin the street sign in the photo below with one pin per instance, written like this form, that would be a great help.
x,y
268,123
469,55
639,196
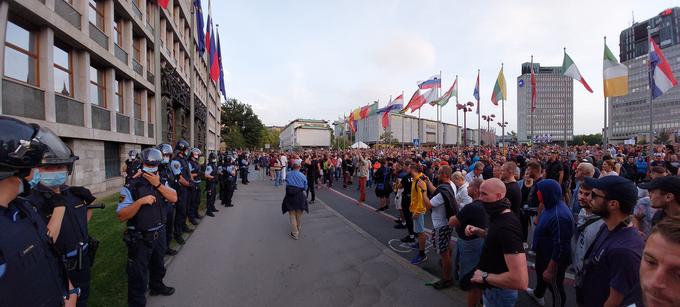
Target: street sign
x,y
416,142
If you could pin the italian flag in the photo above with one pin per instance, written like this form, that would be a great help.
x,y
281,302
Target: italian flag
x,y
569,69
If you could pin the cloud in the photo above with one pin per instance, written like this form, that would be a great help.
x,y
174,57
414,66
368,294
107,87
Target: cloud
x,y
404,52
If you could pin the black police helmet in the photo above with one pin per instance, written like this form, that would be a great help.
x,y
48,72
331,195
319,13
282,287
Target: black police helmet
x,y
152,156
133,153
212,156
182,145
20,149
56,152
165,149
195,150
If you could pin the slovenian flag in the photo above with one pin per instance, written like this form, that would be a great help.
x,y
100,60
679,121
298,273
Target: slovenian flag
x,y
433,82
661,77
476,92
199,28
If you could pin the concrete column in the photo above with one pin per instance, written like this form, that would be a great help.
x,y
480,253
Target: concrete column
x,y
82,7
128,40
81,77
4,7
46,70
108,22
145,116
143,55
130,102
49,4
157,74
110,76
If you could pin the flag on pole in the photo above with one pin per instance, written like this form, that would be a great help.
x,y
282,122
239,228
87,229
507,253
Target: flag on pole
x,y
476,92
661,78
163,3
368,110
214,61
208,31
431,96
200,35
352,121
356,114
219,60
569,69
433,82
533,87
500,90
416,101
615,75
453,91
385,120
395,104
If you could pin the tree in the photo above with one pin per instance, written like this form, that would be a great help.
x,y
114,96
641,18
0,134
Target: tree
x,y
340,142
663,137
270,137
513,136
387,138
240,125
589,139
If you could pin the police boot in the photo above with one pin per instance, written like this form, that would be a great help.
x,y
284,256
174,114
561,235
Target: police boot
x,y
171,252
163,290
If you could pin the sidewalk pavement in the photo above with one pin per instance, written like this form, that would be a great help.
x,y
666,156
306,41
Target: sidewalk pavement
x,y
244,257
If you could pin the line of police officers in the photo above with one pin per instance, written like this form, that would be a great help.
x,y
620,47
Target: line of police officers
x,y
46,252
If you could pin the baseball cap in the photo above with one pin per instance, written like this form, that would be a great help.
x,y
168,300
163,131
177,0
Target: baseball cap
x,y
670,184
616,188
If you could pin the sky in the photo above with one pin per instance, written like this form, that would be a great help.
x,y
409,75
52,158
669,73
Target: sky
x,y
321,59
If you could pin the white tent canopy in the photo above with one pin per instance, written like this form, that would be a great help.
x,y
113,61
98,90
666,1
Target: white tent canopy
x,y
359,145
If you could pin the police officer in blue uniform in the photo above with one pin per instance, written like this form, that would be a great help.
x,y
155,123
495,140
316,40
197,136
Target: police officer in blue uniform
x,y
167,175
141,207
211,177
132,165
65,211
30,272
228,181
180,167
195,199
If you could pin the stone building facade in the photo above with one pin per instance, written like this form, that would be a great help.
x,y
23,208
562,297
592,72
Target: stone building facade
x,y
107,76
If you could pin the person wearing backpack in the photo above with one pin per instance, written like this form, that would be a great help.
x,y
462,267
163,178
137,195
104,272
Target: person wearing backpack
x,y
443,206
382,178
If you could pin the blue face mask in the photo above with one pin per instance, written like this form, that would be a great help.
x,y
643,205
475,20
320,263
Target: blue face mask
x,y
166,160
53,179
36,179
150,169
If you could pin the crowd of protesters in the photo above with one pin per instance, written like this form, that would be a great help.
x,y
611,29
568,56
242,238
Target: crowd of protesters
x,y
609,214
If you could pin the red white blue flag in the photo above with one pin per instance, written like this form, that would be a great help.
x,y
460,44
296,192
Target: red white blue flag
x,y
433,82
661,77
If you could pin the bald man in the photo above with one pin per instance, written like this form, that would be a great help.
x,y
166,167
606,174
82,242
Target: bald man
x,y
503,265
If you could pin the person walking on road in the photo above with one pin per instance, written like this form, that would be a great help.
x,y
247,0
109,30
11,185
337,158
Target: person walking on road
x,y
417,208
443,205
383,188
363,165
295,200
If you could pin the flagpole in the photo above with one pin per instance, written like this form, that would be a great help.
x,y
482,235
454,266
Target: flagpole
x,y
531,106
651,97
479,112
503,116
566,116
402,124
457,115
439,119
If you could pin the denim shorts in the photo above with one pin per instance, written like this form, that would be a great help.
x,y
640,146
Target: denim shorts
x,y
419,223
500,297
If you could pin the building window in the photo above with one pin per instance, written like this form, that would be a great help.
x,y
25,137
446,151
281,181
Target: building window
x,y
96,14
97,87
63,71
21,54
111,159
119,89
150,116
138,105
136,46
118,32
149,60
150,9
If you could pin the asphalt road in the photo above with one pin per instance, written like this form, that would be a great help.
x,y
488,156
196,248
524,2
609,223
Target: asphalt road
x,y
380,225
244,257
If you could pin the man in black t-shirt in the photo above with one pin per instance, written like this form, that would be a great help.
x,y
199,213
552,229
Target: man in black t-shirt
x,y
469,248
503,265
405,183
554,168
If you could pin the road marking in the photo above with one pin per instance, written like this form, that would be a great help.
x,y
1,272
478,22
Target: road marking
x,y
568,277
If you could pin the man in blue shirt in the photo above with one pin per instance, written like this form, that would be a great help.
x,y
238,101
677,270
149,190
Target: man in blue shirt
x,y
295,200
612,263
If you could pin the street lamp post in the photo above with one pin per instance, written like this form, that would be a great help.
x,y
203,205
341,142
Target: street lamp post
x,y
465,108
503,125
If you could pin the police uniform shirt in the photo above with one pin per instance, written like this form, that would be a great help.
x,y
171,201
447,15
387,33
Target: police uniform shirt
x,y
181,167
30,273
126,200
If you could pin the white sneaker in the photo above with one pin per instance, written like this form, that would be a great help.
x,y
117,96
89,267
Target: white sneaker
x,y
539,301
